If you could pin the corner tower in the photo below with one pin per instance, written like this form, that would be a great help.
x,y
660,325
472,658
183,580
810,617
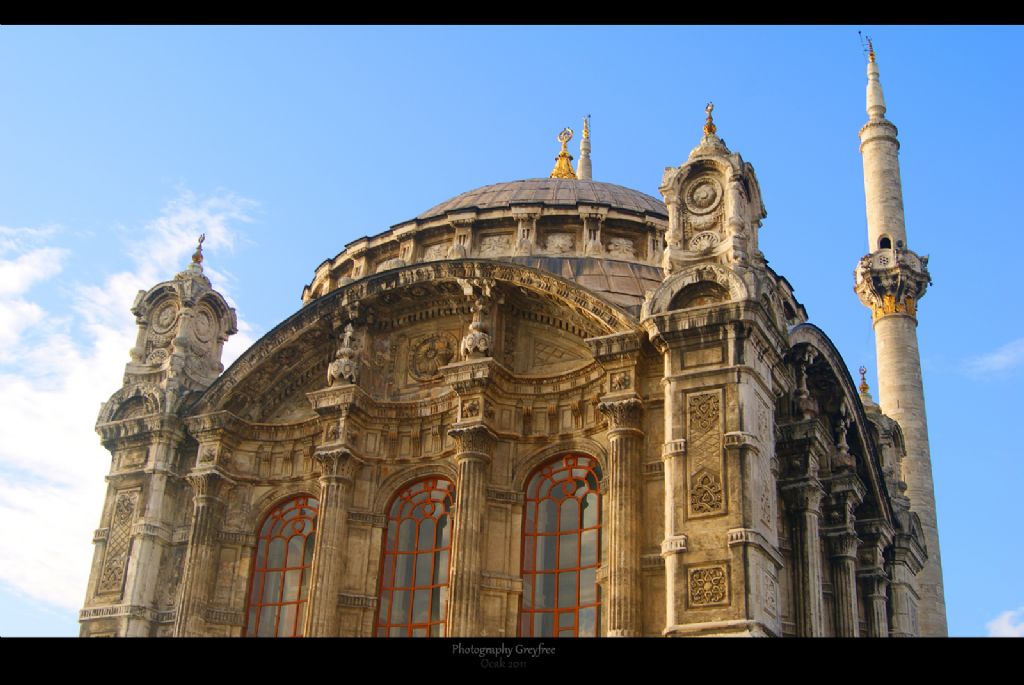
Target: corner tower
x,y
890,279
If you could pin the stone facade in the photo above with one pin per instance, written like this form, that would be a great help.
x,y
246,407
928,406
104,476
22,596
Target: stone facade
x,y
729,479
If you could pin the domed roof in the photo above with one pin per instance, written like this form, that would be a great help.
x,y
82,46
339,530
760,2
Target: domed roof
x,y
550,192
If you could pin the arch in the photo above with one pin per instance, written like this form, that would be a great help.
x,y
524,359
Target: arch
x,y
126,402
279,577
262,507
389,488
561,549
663,299
811,335
412,585
522,471
604,317
885,242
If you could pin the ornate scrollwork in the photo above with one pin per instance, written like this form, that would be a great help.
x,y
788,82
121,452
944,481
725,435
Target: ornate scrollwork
x,y
477,343
430,354
708,586
703,195
706,492
345,367
472,440
622,413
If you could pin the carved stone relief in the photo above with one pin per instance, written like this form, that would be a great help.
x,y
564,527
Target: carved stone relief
x,y
621,248
560,243
704,453
709,586
428,354
703,195
115,559
494,245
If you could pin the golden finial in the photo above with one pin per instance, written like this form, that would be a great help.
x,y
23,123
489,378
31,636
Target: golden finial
x,y
871,50
586,127
197,256
563,162
863,381
709,125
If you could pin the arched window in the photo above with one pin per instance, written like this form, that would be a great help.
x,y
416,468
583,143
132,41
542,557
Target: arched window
x,y
562,549
412,600
884,242
279,582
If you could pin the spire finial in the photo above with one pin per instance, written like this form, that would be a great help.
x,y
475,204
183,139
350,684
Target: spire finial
x,y
709,125
863,381
197,256
563,162
586,127
871,50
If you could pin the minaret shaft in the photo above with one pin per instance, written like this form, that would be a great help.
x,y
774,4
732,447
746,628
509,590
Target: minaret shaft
x,y
890,280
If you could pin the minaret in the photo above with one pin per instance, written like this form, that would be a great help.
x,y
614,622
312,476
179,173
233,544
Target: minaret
x,y
583,170
890,280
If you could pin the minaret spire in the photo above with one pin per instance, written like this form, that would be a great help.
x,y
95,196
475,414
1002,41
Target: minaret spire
x,y
890,280
583,170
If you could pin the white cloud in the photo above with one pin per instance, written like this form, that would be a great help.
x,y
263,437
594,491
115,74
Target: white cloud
x,y
1007,624
52,465
1003,359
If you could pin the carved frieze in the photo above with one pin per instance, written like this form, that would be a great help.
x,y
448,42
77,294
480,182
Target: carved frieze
x,y
428,354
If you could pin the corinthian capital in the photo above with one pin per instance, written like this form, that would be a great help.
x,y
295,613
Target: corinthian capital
x,y
208,483
336,464
472,441
621,414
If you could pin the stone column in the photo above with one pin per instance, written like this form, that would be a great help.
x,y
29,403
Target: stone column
x,y
337,471
625,441
906,561
876,535
474,451
804,501
843,553
210,486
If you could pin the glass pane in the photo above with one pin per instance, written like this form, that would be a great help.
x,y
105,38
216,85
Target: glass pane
x,y
419,632
290,514
524,625
421,606
531,515
528,549
307,558
441,567
531,489
567,589
436,630
385,604
398,632
435,604
588,622
291,585
567,633
286,624
547,520
568,518
441,538
257,588
528,592
407,536
267,619
588,548
392,536
403,570
567,619
588,586
261,554
546,552
567,550
444,601
251,626
388,572
276,557
272,588
426,540
591,481
544,591
589,516
543,625
424,566
296,549
400,606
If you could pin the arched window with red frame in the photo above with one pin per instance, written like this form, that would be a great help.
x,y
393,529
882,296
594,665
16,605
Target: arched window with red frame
x,y
412,597
562,549
279,582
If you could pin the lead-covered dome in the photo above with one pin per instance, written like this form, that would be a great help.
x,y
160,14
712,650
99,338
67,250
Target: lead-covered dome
x,y
549,192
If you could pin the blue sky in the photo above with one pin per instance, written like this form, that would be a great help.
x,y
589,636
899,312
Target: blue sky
x,y
119,145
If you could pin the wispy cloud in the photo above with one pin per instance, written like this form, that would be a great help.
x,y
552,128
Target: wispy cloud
x,y
1000,360
1007,624
51,462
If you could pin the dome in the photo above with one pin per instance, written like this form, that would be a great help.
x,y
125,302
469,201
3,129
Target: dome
x,y
550,192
